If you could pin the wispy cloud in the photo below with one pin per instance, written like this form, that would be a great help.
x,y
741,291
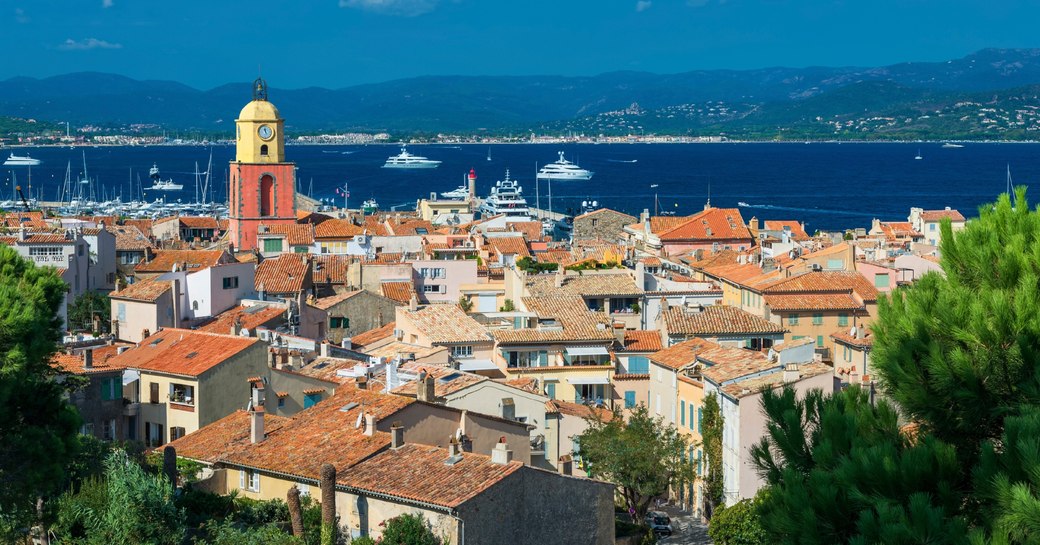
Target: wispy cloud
x,y
89,43
107,3
643,5
20,16
404,8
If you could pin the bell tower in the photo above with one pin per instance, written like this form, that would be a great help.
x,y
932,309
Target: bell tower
x,y
262,184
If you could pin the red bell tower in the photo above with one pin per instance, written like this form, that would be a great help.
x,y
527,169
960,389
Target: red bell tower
x,y
263,184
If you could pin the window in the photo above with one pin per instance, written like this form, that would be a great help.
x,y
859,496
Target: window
x,y
589,392
527,359
108,429
263,150
309,400
881,280
843,320
638,365
630,399
847,353
111,388
272,245
182,393
439,273
79,250
462,351
40,251
833,264
792,319
682,413
230,283
819,341
177,432
931,226
249,480
433,288
817,319
691,416
281,402
153,392
339,322
700,419
550,390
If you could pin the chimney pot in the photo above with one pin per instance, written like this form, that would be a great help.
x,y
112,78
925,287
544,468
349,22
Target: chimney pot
x,y
426,388
362,383
501,454
396,435
413,303
791,373
88,359
256,427
454,448
370,425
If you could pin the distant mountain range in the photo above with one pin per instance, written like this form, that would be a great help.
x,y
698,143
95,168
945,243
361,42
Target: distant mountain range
x,y
755,101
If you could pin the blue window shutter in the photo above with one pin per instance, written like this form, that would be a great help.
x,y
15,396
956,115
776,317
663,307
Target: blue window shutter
x,y
630,399
682,413
543,358
550,390
639,365
700,416
691,416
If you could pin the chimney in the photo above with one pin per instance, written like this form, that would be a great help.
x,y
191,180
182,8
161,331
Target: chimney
x,y
396,435
619,334
413,302
664,305
324,350
791,373
370,425
644,215
860,333
501,454
753,225
88,359
565,465
236,326
362,383
256,425
454,448
558,280
21,233
425,389
272,357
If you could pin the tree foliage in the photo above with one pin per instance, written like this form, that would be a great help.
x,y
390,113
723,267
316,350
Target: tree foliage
x,y
82,311
642,457
738,524
37,425
408,530
711,437
959,354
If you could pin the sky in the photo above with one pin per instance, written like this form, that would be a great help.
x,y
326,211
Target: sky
x,y
338,43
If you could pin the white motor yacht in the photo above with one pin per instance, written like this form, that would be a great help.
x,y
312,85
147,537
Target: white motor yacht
x,y
563,170
407,160
507,197
160,184
458,193
19,161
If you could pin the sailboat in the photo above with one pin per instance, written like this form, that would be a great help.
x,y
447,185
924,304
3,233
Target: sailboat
x,y
489,153
918,156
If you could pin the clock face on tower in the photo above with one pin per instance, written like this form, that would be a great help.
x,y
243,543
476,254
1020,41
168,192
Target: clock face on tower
x,y
265,132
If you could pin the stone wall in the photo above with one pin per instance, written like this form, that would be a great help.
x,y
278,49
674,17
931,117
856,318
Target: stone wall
x,y
604,224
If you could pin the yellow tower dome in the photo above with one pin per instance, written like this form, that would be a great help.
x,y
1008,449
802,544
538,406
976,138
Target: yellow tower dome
x,y
258,130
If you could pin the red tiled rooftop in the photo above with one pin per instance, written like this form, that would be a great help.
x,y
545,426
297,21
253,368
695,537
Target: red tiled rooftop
x,y
182,352
295,234
373,335
287,273
250,317
717,320
643,341
142,290
229,434
398,291
189,260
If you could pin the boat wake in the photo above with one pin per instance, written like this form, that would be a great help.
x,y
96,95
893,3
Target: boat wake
x,y
743,204
623,160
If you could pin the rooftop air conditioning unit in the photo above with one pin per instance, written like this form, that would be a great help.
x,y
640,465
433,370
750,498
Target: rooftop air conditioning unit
x,y
817,267
361,239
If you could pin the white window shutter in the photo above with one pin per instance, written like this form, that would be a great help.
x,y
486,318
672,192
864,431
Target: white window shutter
x,y
241,479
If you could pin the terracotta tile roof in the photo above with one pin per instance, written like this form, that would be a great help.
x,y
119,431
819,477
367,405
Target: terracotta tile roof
x,y
129,237
251,317
825,281
410,227
375,226
396,348
101,363
735,273
557,406
287,273
229,434
526,384
336,229
600,211
651,261
44,238
446,380
142,225
711,259
190,260
937,215
295,234
28,219
447,324
588,285
812,301
325,303
660,224
710,224
561,318
398,291
631,376
797,231
754,385
898,230
843,336
373,335
183,351
142,290
682,354
323,434
331,269
199,222
509,245
386,258
717,320
642,341
727,363
326,368
532,230
418,473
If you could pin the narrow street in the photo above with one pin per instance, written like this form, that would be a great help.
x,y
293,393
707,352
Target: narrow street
x,y
688,529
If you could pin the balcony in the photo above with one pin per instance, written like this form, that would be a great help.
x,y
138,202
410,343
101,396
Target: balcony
x,y
131,408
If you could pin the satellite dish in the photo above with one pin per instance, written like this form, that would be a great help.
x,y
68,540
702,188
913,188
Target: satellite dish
x,y
244,332
360,419
852,332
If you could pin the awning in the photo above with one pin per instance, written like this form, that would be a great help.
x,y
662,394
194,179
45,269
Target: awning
x,y
130,375
477,365
587,351
589,380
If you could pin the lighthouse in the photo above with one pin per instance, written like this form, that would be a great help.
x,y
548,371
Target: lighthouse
x,y
472,184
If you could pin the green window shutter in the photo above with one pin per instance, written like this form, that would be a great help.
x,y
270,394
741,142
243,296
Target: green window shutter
x,y
272,245
682,413
843,320
346,323
792,319
835,264
550,390
543,358
881,280
817,319
819,341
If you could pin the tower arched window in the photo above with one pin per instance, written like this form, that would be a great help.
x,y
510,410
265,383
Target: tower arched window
x,y
266,195
263,150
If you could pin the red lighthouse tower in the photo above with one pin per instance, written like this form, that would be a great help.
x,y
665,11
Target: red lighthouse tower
x,y
263,185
